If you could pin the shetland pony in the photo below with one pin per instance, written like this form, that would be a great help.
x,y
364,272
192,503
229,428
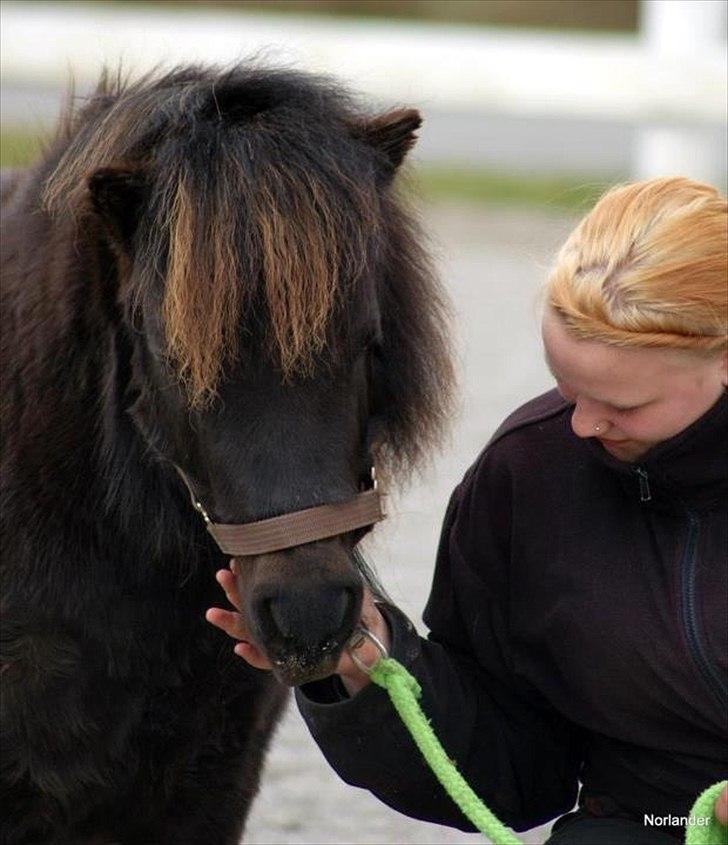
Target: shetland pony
x,y
206,270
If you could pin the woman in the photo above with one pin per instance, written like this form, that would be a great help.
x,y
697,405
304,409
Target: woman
x,y
578,612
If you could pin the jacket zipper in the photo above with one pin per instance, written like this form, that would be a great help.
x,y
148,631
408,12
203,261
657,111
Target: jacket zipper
x,y
690,620
644,480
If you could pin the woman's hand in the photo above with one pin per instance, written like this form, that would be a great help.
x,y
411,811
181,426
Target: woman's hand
x,y
233,624
721,806
371,618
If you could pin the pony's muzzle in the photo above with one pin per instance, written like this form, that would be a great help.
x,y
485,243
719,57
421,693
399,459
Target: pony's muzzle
x,y
308,620
306,627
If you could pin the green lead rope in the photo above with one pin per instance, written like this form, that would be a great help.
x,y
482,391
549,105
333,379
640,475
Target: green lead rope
x,y
714,832
404,691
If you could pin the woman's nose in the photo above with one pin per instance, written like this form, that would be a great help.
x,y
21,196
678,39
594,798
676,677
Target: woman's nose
x,y
586,421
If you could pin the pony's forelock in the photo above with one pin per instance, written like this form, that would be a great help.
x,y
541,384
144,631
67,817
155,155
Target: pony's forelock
x,y
234,212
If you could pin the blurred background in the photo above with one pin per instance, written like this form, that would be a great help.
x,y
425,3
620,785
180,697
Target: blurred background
x,y
531,108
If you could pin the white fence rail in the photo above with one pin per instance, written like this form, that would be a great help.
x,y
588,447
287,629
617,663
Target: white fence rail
x,y
673,76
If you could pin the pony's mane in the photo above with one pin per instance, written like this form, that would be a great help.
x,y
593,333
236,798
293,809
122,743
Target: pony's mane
x,y
257,175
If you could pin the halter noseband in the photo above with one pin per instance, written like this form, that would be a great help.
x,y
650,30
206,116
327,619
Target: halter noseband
x,y
294,528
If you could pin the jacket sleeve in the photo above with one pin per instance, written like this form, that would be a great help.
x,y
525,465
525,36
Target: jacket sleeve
x,y
516,752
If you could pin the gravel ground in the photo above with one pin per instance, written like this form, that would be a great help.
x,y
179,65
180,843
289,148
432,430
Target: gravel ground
x,y
493,262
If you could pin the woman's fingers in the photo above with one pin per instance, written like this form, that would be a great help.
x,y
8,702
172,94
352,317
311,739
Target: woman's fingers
x,y
226,579
352,677
232,624
373,619
721,806
228,621
249,652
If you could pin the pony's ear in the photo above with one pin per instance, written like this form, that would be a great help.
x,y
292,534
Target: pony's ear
x,y
393,133
116,196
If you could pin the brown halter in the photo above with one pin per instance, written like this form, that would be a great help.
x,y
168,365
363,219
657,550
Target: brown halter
x,y
295,528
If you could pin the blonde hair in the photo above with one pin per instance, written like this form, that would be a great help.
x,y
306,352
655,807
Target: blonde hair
x,y
648,267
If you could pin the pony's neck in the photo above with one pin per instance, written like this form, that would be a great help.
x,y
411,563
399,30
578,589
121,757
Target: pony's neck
x,y
143,495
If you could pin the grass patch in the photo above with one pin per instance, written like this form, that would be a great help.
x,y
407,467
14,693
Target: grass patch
x,y
480,185
429,182
19,148
570,15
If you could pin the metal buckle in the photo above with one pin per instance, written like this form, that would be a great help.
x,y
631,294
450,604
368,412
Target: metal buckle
x,y
197,505
356,641
375,486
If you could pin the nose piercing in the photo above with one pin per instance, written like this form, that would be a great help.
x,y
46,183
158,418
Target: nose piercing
x,y
597,427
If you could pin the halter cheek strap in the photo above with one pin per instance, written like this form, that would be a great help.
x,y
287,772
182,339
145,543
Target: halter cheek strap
x,y
295,528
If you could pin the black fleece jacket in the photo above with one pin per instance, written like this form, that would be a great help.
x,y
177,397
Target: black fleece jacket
x,y
578,633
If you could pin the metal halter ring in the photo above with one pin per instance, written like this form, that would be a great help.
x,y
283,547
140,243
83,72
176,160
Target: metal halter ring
x,y
356,640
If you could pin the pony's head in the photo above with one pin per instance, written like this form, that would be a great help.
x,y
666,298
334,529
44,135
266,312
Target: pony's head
x,y
288,333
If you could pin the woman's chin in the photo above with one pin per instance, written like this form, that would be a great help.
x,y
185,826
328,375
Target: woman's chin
x,y
625,450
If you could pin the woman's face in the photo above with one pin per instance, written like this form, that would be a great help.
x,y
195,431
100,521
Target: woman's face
x,y
630,399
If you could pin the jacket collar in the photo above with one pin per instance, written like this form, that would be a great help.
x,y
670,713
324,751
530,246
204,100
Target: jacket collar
x,y
690,468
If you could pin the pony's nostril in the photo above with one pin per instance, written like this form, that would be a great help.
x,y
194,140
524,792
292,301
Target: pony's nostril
x,y
318,619
281,619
